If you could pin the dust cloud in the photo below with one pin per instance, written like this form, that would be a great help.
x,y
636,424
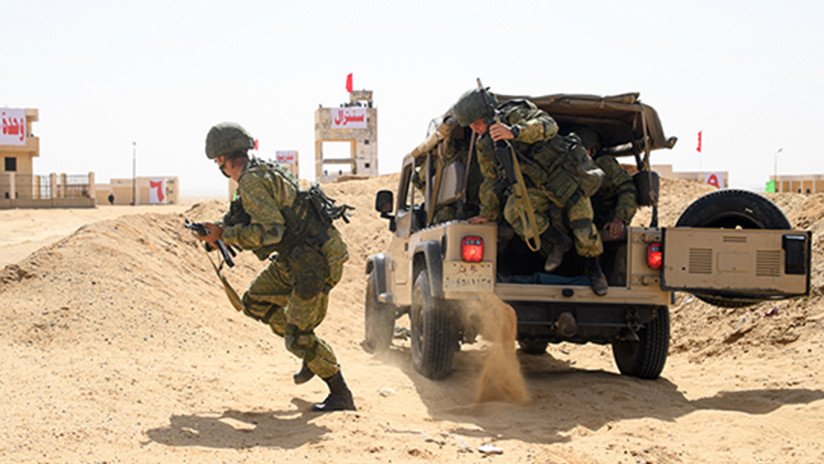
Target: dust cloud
x,y
501,378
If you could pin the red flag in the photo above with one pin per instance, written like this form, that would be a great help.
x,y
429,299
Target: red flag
x,y
698,148
256,144
349,83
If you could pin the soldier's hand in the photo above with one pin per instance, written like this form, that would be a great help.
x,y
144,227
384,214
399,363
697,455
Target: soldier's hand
x,y
500,131
478,220
615,228
215,233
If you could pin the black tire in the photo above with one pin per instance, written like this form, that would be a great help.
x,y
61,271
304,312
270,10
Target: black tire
x,y
379,319
434,331
730,209
533,347
645,358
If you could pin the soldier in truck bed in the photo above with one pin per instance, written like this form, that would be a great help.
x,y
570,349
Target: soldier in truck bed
x,y
615,203
550,184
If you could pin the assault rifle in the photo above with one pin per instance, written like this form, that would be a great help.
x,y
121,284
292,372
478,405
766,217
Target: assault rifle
x,y
508,159
200,229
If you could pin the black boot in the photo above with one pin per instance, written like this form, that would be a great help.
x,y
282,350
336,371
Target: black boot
x,y
303,375
554,244
596,277
340,397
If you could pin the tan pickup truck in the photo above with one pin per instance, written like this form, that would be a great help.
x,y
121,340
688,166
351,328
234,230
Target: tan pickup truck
x,y
729,248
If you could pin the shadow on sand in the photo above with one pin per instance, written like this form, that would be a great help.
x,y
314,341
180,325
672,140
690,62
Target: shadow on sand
x,y
285,429
565,397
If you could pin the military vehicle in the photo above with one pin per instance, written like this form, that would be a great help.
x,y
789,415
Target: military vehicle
x,y
729,248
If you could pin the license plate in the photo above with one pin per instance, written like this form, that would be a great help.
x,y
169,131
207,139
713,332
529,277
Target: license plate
x,y
467,277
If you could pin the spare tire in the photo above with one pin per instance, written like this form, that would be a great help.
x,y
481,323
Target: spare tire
x,y
732,209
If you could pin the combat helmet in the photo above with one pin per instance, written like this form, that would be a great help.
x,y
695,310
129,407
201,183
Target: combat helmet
x,y
226,138
473,105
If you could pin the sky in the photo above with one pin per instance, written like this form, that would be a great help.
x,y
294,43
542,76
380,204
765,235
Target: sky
x,y
748,74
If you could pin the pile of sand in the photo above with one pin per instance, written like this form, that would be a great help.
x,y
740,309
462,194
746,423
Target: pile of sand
x,y
118,345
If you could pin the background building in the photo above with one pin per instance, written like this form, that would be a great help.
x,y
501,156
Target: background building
x,y
149,191
19,186
355,123
803,183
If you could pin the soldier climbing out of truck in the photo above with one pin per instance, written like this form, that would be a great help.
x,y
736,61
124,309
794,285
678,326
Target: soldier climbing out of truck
x,y
557,176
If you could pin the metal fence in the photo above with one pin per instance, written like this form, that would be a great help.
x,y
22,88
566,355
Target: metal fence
x,y
34,187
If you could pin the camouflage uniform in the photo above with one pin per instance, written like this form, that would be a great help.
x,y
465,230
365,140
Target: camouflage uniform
x,y
616,199
553,191
291,294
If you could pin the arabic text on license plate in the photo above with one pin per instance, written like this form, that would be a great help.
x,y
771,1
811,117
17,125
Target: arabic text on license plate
x,y
460,276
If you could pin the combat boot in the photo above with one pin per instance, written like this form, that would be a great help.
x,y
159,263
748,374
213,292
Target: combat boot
x,y
555,245
303,375
340,397
596,276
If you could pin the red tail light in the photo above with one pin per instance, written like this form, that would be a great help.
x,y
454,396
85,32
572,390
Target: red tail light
x,y
472,249
655,256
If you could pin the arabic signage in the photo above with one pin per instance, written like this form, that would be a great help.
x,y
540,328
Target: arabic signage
x,y
348,118
157,191
715,179
286,156
12,126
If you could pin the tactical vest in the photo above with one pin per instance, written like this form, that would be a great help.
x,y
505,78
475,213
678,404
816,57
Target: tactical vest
x,y
305,223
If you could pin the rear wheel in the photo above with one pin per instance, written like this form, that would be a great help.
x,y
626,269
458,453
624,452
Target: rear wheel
x,y
645,358
732,209
434,331
379,319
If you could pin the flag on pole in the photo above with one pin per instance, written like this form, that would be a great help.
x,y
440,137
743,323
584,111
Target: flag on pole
x,y
349,83
698,148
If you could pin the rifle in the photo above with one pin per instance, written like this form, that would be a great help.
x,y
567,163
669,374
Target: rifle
x,y
508,159
225,252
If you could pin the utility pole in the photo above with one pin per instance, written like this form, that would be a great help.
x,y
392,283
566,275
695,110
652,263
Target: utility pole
x,y
775,169
134,173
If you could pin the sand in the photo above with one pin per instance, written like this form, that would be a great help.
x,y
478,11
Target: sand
x,y
118,346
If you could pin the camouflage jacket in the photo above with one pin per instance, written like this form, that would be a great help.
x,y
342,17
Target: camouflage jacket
x,y
616,198
264,192
534,125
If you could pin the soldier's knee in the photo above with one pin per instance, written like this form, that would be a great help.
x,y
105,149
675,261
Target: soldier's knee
x,y
301,344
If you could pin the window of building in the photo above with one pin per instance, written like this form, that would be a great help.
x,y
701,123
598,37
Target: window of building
x,y
11,164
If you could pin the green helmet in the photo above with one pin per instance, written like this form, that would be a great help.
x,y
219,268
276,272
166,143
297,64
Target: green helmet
x,y
226,138
473,105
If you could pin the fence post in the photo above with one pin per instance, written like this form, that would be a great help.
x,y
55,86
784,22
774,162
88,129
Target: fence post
x,y
53,186
63,180
92,188
12,187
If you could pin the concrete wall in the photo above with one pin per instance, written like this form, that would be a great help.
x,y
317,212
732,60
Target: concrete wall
x,y
363,157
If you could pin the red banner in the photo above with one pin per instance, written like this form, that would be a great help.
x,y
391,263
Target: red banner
x,y
349,83
698,148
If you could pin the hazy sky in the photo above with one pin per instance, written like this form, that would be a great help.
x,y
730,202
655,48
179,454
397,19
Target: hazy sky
x,y
104,74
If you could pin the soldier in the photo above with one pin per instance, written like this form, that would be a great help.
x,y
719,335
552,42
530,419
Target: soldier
x,y
272,215
551,184
615,203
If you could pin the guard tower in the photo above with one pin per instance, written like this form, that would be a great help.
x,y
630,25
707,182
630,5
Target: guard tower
x,y
355,122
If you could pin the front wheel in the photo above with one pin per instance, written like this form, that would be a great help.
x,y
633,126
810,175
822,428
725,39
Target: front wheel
x,y
645,358
434,331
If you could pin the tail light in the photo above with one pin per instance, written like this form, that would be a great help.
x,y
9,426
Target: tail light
x,y
655,255
472,249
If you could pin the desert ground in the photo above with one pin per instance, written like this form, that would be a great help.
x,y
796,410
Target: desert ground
x,y
119,346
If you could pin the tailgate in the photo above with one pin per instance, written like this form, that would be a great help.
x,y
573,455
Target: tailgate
x,y
737,262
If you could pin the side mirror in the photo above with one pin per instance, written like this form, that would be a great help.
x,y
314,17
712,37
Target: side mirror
x,y
384,201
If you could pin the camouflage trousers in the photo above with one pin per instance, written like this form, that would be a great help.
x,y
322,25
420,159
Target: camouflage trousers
x,y
273,300
576,216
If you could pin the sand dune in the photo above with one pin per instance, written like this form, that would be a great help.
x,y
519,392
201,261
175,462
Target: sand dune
x,y
119,346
